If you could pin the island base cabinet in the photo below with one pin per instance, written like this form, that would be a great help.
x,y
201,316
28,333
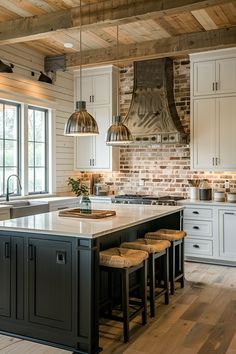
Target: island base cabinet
x,y
12,277
50,283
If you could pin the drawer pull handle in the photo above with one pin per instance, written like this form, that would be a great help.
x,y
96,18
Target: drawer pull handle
x,y
7,249
196,227
62,208
195,212
229,213
196,246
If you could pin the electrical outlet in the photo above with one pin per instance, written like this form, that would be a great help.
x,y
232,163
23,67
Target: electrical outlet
x,y
227,186
141,182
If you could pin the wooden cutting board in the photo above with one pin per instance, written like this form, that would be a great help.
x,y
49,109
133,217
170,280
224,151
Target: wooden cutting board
x,y
95,214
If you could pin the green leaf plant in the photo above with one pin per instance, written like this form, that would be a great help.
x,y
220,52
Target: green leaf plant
x,y
77,187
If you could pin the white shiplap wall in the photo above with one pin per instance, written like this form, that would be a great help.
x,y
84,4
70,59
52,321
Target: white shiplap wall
x,y
60,96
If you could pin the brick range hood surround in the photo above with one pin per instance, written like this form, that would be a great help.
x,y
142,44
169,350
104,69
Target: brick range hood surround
x,y
152,116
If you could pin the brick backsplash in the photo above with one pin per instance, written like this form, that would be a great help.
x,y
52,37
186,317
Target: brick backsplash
x,y
163,169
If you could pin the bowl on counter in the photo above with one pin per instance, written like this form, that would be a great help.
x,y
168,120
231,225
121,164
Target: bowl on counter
x,y
219,196
231,197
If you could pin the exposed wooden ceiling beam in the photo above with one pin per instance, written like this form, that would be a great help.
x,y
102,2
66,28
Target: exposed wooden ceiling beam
x,y
102,13
174,46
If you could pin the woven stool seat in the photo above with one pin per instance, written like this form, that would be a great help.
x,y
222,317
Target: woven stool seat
x,y
121,257
166,234
150,246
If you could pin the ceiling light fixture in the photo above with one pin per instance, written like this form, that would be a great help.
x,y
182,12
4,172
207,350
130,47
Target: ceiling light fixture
x,y
4,68
68,45
118,134
81,123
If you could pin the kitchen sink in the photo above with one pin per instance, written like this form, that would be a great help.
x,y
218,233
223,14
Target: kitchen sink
x,y
21,208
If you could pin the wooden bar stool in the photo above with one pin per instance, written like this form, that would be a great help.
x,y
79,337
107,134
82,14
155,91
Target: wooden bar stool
x,y
125,262
176,259
157,249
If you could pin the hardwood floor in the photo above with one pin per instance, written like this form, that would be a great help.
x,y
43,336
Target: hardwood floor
x,y
200,319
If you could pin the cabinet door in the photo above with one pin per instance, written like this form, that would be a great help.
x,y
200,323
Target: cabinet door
x,y
226,75
204,78
203,133
5,276
101,89
102,151
85,150
50,275
95,89
227,220
87,89
226,128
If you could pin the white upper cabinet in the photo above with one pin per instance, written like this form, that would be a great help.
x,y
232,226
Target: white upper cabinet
x,y
212,76
95,89
204,78
99,90
213,109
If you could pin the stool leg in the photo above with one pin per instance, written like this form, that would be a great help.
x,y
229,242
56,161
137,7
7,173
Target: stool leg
x,y
110,293
172,268
125,304
144,292
182,263
152,284
166,276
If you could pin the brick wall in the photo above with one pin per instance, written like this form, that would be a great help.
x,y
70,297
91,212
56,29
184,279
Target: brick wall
x,y
165,169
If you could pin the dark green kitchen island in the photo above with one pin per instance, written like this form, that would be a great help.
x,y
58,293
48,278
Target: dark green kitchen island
x,y
49,271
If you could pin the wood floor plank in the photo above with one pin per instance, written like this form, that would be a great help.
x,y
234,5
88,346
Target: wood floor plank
x,y
200,319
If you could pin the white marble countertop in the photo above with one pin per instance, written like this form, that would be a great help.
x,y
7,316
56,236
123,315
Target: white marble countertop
x,y
52,224
206,202
4,206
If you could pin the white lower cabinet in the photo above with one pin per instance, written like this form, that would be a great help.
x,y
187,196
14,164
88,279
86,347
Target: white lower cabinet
x,y
227,234
211,232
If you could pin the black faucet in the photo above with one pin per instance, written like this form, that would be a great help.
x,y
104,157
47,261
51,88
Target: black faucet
x,y
7,194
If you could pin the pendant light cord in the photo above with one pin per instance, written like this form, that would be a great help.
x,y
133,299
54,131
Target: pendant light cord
x,y
117,56
80,49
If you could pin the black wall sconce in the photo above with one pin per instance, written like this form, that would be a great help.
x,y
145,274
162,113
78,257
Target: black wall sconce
x,y
4,68
44,78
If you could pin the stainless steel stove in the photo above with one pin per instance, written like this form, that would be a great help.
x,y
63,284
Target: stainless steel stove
x,y
146,199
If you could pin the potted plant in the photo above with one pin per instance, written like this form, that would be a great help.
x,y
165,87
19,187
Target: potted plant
x,y
81,190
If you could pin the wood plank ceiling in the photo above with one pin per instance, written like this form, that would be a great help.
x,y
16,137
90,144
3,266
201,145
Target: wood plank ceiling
x,y
148,29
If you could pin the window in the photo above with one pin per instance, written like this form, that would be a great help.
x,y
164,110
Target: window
x,y
24,148
9,145
37,150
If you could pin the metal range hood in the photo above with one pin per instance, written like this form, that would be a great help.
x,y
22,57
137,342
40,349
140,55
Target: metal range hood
x,y
152,115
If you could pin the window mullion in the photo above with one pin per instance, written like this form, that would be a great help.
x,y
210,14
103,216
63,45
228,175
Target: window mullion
x,y
24,155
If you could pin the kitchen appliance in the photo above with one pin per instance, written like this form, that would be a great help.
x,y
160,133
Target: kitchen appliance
x,y
152,116
146,199
101,189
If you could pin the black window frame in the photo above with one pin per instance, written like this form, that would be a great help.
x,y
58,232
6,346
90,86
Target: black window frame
x,y
18,106
46,176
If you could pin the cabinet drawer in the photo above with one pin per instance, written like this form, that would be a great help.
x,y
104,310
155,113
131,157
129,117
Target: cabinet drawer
x,y
198,213
198,228
198,247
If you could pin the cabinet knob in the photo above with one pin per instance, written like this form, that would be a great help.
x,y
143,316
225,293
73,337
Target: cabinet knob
x,y
196,227
196,246
60,257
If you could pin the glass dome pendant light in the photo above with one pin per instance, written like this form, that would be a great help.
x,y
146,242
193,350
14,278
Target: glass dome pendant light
x,y
118,134
81,123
